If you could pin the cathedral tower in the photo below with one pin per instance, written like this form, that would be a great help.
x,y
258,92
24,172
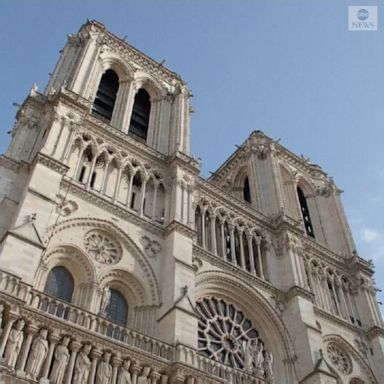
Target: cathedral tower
x,y
120,264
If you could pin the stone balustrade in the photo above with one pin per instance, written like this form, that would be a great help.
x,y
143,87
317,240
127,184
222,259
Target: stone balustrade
x,y
62,332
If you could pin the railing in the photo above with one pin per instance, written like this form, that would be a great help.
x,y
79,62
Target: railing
x,y
69,313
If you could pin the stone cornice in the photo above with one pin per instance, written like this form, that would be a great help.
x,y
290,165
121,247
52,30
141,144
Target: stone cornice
x,y
180,227
299,291
51,163
131,53
231,203
186,162
374,332
9,163
101,202
335,319
236,271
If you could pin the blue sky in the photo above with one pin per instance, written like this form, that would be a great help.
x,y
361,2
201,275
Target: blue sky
x,y
287,67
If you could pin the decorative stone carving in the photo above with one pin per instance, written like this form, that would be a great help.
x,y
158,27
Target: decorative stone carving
x,y
104,370
38,354
65,207
105,299
144,376
102,247
227,336
339,358
268,367
124,375
15,340
82,366
60,362
151,247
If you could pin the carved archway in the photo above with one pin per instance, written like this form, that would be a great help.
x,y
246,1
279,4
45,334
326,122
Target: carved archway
x,y
148,280
258,310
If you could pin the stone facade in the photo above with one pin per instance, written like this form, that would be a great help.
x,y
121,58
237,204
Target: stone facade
x,y
120,264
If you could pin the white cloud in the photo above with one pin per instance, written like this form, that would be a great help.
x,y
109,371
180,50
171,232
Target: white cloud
x,y
373,244
371,235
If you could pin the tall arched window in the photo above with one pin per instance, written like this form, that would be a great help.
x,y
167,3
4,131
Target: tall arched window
x,y
117,309
246,191
59,284
305,212
106,95
140,115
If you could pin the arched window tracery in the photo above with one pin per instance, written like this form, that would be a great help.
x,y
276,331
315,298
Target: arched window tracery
x,y
60,284
138,126
106,95
117,309
226,335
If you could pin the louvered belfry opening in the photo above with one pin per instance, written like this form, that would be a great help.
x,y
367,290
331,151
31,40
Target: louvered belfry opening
x,y
305,212
106,95
140,115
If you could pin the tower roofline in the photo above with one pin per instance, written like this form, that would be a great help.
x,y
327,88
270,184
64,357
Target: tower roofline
x,y
122,44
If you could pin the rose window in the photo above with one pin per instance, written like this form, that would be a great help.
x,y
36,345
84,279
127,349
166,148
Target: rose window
x,y
339,358
224,331
102,247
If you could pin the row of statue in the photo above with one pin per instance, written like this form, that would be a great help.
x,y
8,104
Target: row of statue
x,y
257,360
61,357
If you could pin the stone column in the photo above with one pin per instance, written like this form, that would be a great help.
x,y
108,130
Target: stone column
x,y
242,257
117,185
6,332
74,347
155,376
203,238
232,238
251,255
95,355
31,331
116,363
136,368
54,338
213,235
259,261
142,197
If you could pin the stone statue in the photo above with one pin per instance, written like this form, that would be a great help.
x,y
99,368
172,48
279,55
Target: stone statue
x,y
104,370
37,354
14,342
105,299
248,355
258,355
143,378
268,369
82,366
125,375
60,362
164,379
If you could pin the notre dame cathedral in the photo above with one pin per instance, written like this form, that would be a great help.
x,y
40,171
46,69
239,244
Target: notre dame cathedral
x,y
119,264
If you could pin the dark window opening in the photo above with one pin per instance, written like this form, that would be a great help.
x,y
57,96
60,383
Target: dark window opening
x,y
82,173
246,191
117,309
140,115
60,284
227,239
93,179
106,95
133,200
305,213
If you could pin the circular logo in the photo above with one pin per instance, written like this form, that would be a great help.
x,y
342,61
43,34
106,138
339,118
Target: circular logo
x,y
362,14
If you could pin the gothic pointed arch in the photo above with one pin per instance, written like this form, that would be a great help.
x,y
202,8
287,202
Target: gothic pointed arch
x,y
256,309
346,355
117,240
